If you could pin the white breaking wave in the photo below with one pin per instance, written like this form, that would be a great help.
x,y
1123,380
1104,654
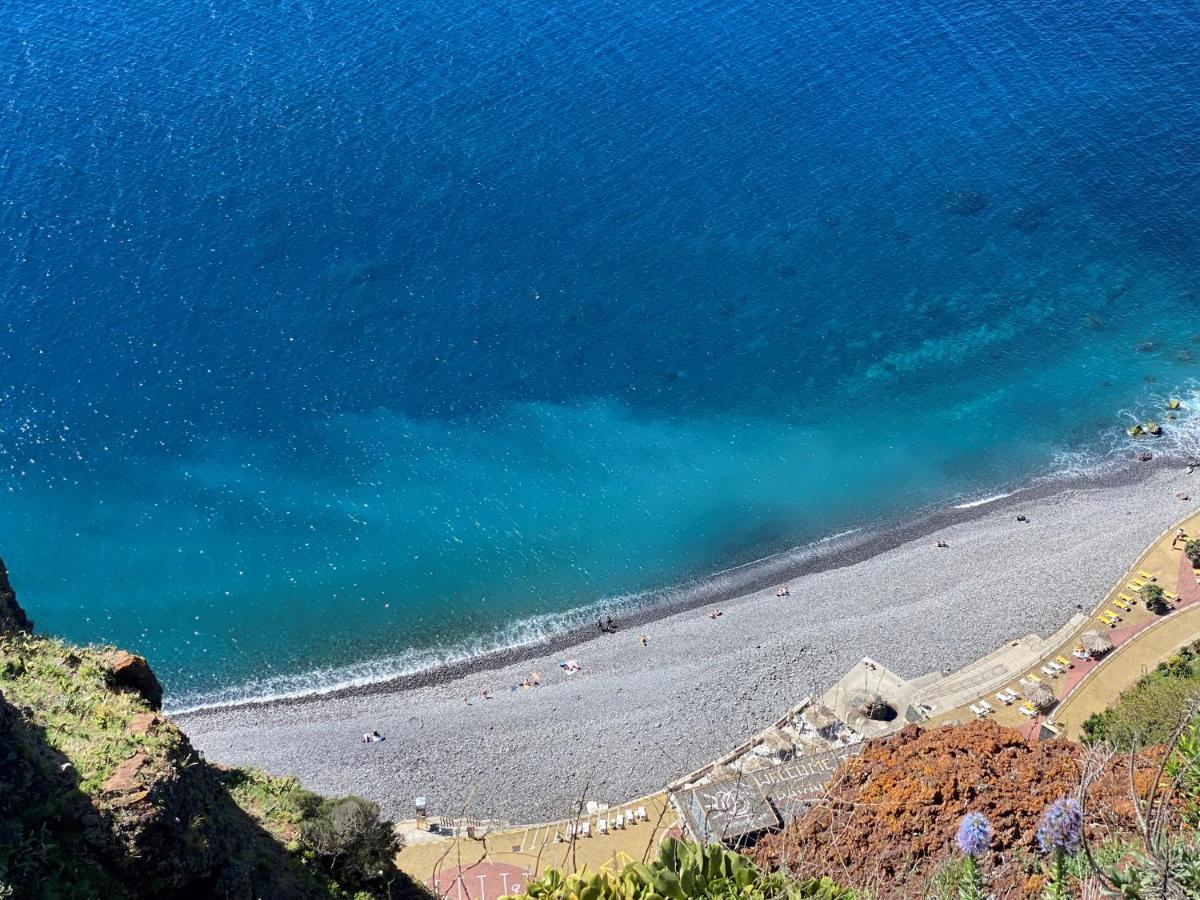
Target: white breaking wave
x,y
523,633
971,504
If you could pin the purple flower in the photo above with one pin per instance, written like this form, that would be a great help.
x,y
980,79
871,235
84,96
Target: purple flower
x,y
974,834
1062,826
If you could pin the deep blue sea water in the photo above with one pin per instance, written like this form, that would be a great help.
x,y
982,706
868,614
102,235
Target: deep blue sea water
x,y
343,337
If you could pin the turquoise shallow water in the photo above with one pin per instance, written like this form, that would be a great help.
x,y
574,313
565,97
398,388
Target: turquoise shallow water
x,y
342,339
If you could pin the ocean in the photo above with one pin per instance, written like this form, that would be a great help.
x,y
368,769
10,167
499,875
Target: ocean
x,y
343,339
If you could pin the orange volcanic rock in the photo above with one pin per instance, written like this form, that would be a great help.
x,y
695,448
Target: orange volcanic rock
x,y
890,814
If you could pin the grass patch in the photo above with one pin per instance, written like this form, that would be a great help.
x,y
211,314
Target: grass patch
x,y
277,803
66,691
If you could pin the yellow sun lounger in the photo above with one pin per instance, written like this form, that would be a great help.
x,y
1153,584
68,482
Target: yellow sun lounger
x,y
1033,677
1125,597
1170,596
1145,574
1137,585
1062,660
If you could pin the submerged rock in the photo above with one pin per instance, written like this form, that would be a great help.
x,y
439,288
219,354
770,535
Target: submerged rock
x,y
1029,217
964,203
1154,428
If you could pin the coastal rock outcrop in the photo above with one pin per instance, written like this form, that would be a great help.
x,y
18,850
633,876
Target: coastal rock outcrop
x,y
12,617
103,796
132,673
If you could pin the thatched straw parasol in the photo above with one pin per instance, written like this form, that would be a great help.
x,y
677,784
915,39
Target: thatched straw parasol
x,y
821,717
778,742
1039,694
1095,643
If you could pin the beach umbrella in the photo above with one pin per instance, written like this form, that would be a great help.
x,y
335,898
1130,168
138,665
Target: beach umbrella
x,y
778,742
1096,643
820,717
1039,694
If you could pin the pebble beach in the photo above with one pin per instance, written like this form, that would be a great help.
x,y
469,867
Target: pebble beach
x,y
639,715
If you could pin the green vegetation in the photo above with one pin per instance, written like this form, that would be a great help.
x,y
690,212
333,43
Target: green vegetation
x,y
684,871
1150,711
343,840
1154,597
1192,549
65,690
100,796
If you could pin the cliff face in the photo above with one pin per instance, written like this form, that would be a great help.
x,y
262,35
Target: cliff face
x,y
101,796
12,617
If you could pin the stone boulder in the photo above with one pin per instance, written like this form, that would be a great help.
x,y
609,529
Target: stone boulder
x,y
133,673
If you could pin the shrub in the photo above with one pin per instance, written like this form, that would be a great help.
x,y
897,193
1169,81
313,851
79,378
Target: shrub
x,y
351,843
1154,597
1192,549
684,871
1148,712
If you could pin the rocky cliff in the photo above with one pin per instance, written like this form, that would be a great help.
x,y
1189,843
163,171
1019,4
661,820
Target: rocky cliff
x,y
12,617
101,796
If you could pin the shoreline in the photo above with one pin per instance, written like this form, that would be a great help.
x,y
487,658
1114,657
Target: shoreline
x,y
822,555
637,716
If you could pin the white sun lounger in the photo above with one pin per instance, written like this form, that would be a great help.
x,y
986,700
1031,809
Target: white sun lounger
x,y
1049,672
619,821
641,814
602,826
585,830
1004,698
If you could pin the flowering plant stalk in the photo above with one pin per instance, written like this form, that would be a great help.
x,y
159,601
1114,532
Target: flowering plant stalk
x,y
1060,834
973,837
